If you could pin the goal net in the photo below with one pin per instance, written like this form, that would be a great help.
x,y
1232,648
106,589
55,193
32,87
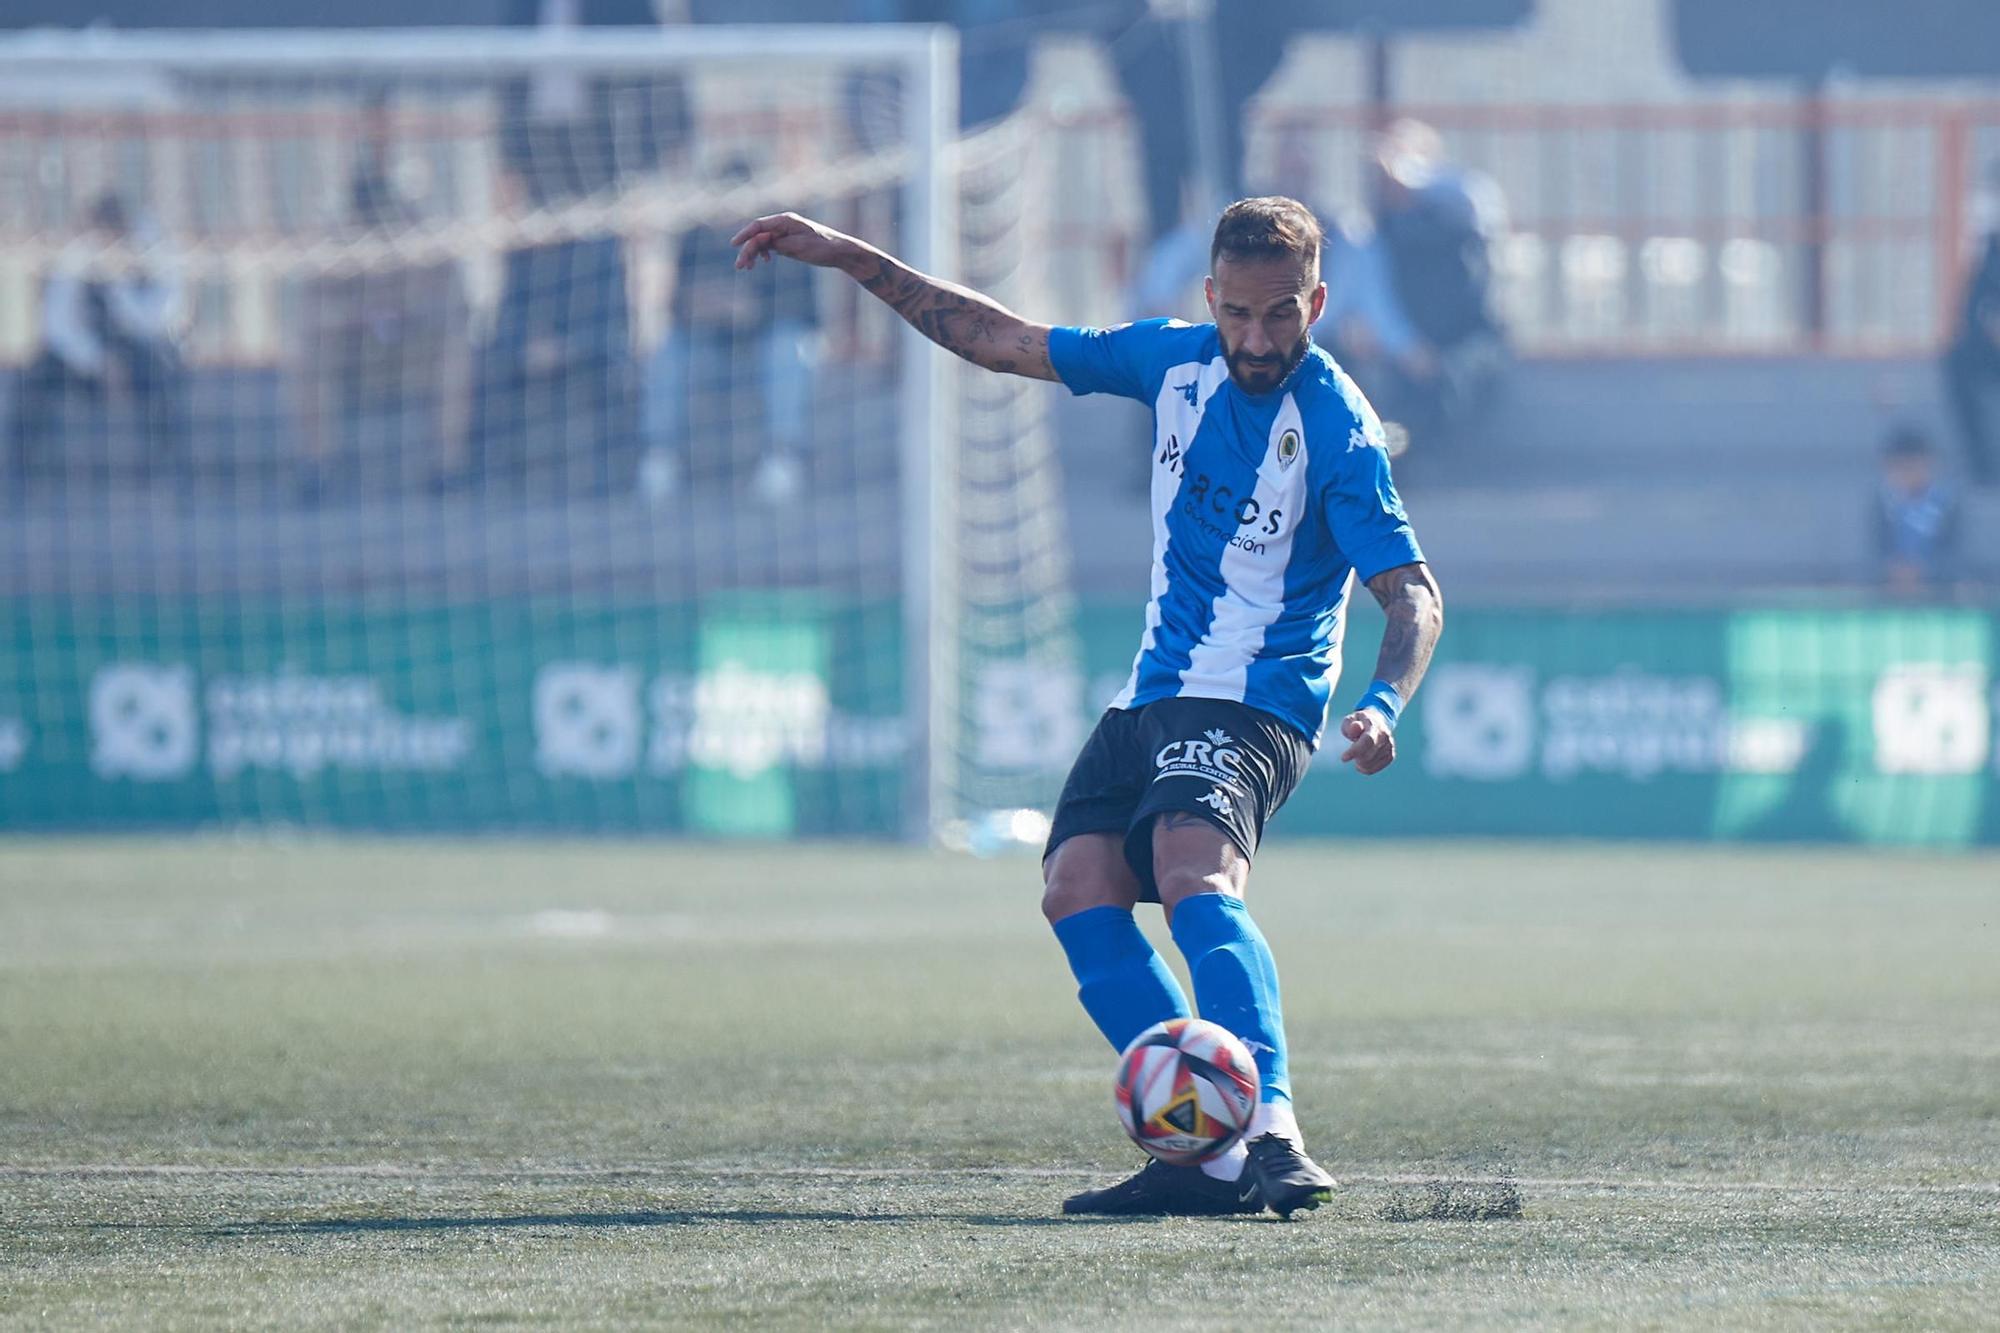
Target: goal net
x,y
390,443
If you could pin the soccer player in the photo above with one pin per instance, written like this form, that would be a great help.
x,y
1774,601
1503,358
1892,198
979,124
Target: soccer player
x,y
1270,490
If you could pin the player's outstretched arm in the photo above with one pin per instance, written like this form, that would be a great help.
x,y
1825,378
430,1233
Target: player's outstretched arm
x,y
957,319
1411,599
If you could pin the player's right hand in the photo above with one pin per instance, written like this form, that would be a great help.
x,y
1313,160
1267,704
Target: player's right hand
x,y
792,236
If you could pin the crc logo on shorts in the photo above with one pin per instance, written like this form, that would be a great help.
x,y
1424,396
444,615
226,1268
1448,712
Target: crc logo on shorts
x,y
1213,757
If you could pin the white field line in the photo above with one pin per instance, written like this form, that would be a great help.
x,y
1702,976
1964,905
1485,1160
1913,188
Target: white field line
x,y
404,1171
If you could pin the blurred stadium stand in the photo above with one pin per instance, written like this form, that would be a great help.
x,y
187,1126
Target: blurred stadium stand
x,y
1722,292
1708,363
1810,39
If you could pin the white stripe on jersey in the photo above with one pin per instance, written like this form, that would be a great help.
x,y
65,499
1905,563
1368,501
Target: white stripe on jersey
x,y
1174,417
1253,583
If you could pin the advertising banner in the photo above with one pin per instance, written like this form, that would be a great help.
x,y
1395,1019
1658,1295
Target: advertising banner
x,y
754,716
778,715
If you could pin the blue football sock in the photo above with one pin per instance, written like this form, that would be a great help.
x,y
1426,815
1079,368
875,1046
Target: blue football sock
x,y
1122,980
1235,980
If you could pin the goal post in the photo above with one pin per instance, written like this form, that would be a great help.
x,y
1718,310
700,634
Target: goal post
x,y
454,481
930,479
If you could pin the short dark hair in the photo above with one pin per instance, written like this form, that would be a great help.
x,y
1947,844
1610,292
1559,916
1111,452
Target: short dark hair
x,y
1269,227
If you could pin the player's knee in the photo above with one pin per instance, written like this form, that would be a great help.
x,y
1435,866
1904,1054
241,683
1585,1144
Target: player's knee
x,y
1179,882
1066,895
1059,899
1076,878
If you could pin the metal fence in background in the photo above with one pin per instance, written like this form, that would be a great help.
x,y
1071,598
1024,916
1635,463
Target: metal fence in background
x,y
1691,228
1766,227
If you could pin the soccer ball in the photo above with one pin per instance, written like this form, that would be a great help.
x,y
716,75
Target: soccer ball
x,y
1186,1090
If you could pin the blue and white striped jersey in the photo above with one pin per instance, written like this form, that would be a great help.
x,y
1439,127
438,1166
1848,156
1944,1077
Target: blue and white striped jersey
x,y
1263,507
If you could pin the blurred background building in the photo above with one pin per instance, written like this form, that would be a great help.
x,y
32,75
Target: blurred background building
x,y
1689,313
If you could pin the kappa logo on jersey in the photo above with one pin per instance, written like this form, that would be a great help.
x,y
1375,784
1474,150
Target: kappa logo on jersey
x,y
1172,456
1188,392
1218,801
1357,438
1213,758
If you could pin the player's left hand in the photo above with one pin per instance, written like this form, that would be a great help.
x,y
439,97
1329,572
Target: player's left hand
x,y
1372,745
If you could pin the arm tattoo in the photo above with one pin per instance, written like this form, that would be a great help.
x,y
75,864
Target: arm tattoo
x,y
1415,608
962,322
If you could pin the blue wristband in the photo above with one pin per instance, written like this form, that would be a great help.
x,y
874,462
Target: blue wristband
x,y
1383,698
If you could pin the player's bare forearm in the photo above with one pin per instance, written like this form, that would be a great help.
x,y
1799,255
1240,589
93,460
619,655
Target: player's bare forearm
x,y
1414,605
956,318
973,326
1410,599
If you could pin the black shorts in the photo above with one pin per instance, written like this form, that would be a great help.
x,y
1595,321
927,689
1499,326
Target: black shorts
x,y
1226,762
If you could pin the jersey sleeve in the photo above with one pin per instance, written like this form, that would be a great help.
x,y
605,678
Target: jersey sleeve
x,y
1364,512
1127,360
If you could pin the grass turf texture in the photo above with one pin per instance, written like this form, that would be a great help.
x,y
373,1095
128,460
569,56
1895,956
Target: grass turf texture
x,y
581,1085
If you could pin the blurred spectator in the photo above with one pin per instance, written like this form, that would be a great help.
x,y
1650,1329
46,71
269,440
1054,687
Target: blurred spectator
x,y
1408,307
382,350
1168,281
583,134
110,328
1972,365
1915,519
730,394
1187,70
994,41
555,386
995,38
1164,54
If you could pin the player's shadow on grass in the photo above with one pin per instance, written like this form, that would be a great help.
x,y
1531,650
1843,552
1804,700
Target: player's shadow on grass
x,y
674,1217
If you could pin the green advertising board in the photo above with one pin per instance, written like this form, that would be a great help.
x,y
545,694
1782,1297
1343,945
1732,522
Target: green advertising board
x,y
773,715
1826,726
757,716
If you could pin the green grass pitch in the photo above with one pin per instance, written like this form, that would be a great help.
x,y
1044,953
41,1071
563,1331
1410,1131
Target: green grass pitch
x,y
576,1085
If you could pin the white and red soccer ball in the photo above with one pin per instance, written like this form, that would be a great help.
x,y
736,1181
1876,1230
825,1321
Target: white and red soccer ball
x,y
1186,1090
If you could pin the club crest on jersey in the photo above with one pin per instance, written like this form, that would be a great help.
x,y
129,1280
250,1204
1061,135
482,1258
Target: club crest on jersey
x,y
1288,448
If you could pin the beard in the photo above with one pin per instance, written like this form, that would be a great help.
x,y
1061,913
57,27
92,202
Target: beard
x,y
1263,374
